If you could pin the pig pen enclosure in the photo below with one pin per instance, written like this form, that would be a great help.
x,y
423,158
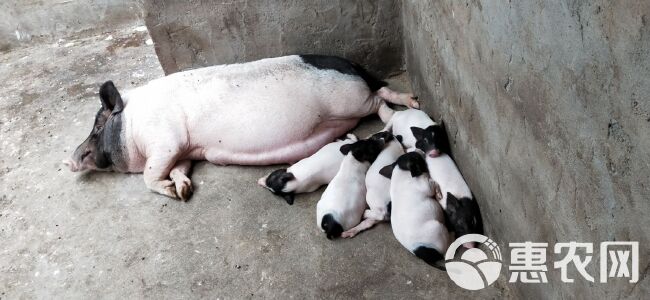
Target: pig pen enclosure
x,y
545,102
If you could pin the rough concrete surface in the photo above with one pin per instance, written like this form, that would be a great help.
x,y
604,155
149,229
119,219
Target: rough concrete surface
x,y
105,235
25,21
195,33
547,106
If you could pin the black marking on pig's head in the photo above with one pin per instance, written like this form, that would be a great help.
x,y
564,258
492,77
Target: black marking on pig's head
x,y
277,182
413,162
364,150
104,149
463,215
433,140
331,227
344,66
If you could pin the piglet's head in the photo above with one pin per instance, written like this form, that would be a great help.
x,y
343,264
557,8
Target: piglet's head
x,y
433,140
364,150
463,216
92,153
276,182
412,162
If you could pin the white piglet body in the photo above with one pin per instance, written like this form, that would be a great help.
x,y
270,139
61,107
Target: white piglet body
x,y
401,122
417,219
308,174
318,169
443,171
344,200
378,187
461,209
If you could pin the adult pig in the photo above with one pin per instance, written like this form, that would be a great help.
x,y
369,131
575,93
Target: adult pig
x,y
270,111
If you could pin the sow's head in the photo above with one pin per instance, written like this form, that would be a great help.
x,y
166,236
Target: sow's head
x,y
101,149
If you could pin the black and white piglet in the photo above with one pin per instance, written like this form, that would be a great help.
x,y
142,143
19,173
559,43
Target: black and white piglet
x,y
342,204
308,174
378,186
417,219
462,211
407,125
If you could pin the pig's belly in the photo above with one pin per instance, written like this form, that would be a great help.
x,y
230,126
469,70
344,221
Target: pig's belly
x,y
266,135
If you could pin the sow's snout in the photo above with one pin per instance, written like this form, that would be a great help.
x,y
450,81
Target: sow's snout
x,y
82,158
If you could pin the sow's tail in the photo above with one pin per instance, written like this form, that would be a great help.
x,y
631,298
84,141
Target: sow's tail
x,y
332,228
431,256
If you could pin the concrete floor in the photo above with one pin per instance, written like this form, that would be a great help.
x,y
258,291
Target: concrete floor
x,y
66,235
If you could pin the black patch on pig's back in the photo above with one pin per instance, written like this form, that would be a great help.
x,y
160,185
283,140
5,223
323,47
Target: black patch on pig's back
x,y
344,66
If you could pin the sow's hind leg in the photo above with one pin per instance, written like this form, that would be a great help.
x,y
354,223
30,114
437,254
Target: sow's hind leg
x,y
394,97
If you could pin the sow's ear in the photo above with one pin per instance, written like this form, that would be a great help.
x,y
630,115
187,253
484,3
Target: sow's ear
x,y
110,97
387,171
418,133
345,149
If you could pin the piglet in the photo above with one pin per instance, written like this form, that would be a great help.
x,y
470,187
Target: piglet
x,y
342,204
308,174
463,213
378,186
417,219
405,124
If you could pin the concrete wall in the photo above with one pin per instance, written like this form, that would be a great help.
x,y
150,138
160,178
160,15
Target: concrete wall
x,y
547,106
23,21
190,34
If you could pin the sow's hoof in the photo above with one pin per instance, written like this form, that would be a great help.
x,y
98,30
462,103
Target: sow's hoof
x,y
179,190
184,189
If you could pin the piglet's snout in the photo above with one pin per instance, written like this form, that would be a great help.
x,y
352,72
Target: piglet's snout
x,y
434,153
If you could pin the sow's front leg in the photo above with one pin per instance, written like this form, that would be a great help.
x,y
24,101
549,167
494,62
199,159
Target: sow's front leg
x,y
183,184
156,174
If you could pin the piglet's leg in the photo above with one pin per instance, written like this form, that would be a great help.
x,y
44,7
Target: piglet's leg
x,y
385,113
156,172
377,214
365,224
183,184
391,96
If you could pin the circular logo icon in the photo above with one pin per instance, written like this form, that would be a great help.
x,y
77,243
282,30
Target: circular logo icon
x,y
476,268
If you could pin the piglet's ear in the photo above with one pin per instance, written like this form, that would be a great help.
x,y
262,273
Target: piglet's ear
x,y
289,198
418,133
110,97
387,171
452,203
345,149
